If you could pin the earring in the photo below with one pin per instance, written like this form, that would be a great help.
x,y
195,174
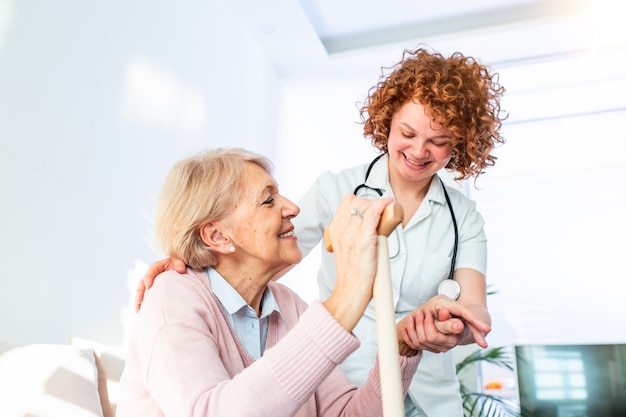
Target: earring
x,y
232,249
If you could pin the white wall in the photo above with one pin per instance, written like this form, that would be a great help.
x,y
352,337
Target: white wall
x,y
97,101
553,204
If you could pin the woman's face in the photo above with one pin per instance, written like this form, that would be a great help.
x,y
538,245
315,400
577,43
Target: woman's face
x,y
417,146
260,226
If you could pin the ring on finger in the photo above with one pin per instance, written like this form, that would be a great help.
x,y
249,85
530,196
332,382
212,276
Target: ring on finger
x,y
356,212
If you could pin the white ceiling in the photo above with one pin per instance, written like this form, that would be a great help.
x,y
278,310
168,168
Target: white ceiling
x,y
313,38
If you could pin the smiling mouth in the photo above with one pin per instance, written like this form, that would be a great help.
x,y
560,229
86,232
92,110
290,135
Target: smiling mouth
x,y
287,234
419,164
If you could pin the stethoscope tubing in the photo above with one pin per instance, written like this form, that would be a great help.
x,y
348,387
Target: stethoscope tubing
x,y
449,203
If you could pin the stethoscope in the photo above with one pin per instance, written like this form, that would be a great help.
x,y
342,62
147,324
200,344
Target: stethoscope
x,y
448,286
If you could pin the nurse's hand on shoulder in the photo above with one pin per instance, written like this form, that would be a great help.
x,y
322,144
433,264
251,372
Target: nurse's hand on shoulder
x,y
155,269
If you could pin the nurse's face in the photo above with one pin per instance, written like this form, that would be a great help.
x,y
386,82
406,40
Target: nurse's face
x,y
417,146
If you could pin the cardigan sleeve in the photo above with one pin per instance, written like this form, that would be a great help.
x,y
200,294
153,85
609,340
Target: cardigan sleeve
x,y
339,397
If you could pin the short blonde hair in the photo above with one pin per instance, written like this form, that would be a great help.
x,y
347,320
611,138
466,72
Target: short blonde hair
x,y
198,190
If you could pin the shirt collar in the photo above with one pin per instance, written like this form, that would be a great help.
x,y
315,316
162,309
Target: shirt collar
x,y
234,302
435,191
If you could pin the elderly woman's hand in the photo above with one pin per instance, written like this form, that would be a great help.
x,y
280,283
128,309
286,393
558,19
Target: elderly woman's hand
x,y
353,233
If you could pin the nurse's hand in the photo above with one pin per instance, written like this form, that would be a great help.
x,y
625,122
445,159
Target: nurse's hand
x,y
441,324
155,269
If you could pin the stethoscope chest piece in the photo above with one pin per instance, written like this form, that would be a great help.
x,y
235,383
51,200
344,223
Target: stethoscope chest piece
x,y
449,287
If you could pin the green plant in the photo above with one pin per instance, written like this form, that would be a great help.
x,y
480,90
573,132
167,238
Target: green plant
x,y
478,404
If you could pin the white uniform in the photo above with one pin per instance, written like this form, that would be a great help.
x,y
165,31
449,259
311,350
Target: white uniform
x,y
420,258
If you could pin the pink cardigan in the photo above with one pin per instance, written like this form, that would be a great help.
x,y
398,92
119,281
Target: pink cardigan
x,y
185,360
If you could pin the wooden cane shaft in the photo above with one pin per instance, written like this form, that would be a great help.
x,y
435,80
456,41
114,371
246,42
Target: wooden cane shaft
x,y
388,354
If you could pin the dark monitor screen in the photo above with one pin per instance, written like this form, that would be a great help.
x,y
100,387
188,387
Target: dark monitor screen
x,y
572,380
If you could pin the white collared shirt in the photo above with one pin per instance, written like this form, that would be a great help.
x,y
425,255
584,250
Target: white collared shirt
x,y
250,329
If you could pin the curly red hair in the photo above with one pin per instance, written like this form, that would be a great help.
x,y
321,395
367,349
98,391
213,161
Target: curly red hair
x,y
460,94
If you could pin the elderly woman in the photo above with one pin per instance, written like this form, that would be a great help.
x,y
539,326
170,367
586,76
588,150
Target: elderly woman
x,y
223,339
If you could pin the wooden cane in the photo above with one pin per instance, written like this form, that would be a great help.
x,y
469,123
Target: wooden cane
x,y
388,353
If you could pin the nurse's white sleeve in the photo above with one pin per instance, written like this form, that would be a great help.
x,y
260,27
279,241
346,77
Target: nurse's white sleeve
x,y
317,208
